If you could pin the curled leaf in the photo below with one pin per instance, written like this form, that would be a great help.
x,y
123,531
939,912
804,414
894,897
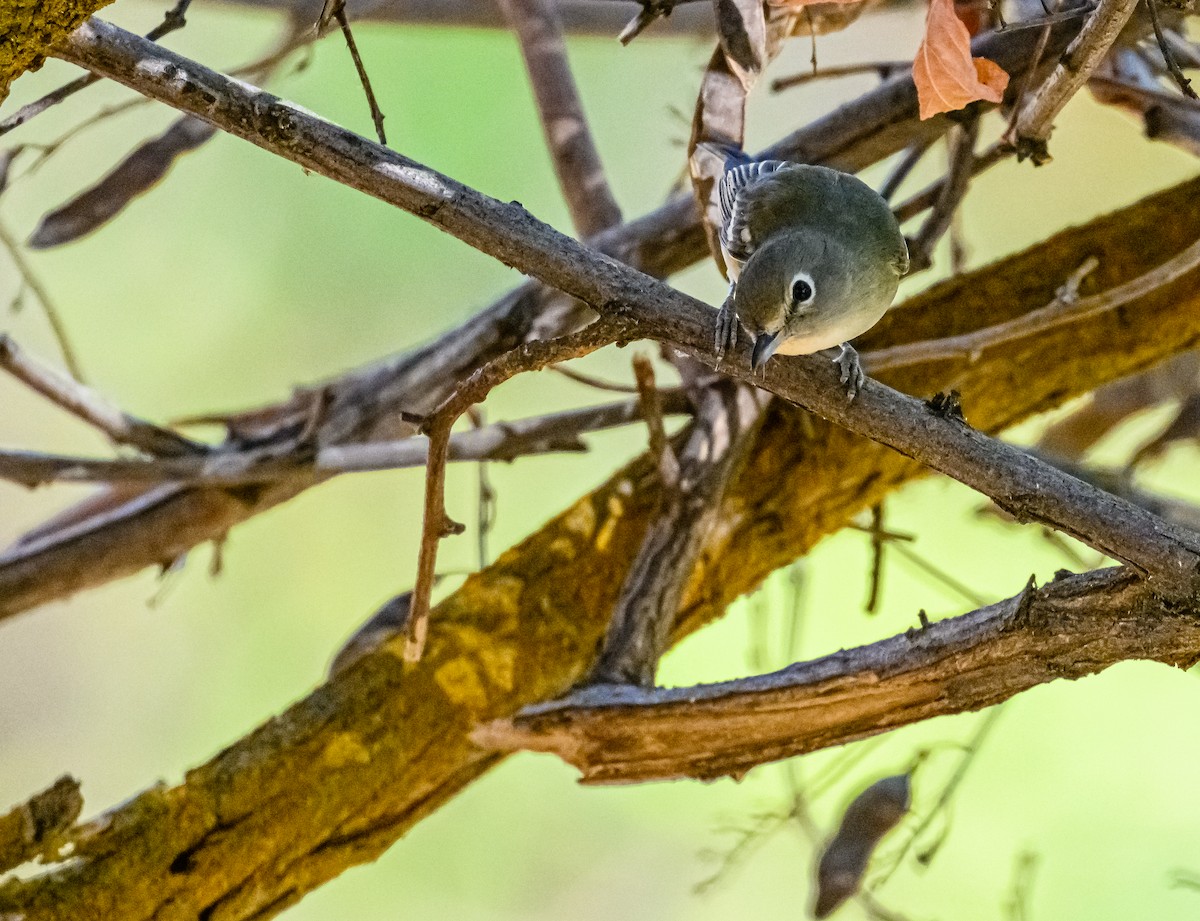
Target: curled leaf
x,y
871,815
946,75
136,174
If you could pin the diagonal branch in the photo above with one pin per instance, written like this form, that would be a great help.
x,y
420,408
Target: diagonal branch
x,y
502,441
1037,116
727,415
1027,488
125,535
576,161
1071,628
88,405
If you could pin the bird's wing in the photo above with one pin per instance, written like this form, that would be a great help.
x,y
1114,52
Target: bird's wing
x,y
735,192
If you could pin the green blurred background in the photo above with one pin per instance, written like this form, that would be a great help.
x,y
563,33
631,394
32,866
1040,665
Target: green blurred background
x,y
241,277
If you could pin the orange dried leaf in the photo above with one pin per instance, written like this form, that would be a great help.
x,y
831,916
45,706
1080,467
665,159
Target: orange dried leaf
x,y
946,75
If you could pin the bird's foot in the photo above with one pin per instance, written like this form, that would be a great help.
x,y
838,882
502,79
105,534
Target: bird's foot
x,y
727,327
850,370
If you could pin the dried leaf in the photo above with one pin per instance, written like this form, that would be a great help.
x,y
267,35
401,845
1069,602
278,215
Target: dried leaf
x,y
742,32
797,4
6,161
137,173
946,75
871,815
821,17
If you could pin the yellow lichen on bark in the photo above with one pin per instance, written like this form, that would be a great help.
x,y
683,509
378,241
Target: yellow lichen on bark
x,y
30,28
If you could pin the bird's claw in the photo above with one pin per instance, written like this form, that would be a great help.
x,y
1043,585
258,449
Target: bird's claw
x,y
850,371
727,328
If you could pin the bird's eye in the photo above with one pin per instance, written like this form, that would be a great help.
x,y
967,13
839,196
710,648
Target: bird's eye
x,y
802,289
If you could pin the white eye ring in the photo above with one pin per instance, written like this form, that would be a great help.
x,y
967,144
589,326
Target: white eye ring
x,y
802,290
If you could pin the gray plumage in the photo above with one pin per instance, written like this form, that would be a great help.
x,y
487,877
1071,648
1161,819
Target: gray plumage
x,y
814,258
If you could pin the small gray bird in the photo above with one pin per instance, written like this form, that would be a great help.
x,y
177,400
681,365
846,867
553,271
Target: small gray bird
x,y
814,258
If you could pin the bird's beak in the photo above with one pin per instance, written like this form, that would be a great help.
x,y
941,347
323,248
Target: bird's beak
x,y
764,347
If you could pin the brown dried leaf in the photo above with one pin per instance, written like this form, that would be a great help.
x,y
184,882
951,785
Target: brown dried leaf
x,y
136,174
946,75
871,815
742,32
6,161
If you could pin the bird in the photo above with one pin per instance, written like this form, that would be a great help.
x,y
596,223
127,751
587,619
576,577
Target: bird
x,y
814,258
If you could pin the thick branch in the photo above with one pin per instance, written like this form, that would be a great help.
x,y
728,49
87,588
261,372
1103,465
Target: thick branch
x,y
1074,627
727,415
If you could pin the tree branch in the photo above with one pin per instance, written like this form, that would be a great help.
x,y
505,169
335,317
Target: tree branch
x,y
564,124
91,407
336,779
125,535
727,416
502,441
1081,59
1071,628
1024,486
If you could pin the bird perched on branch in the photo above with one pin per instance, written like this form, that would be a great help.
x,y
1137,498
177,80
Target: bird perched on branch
x,y
814,258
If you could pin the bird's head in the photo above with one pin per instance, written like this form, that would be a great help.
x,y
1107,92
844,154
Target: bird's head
x,y
790,280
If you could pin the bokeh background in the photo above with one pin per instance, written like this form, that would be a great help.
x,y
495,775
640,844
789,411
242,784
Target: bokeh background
x,y
241,277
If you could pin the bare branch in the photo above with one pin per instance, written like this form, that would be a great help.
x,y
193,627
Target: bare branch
x,y
1184,84
503,441
90,406
336,9
935,436
965,663
53,317
1080,60
727,415
652,412
1059,312
960,143
576,161
436,523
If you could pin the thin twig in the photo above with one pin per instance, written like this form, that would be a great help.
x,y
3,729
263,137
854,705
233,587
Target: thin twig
x,y
1057,313
960,142
173,20
90,406
1080,60
925,199
589,380
904,166
336,9
883,69
53,317
877,544
652,413
503,441
485,514
986,725
1184,84
436,524
577,163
